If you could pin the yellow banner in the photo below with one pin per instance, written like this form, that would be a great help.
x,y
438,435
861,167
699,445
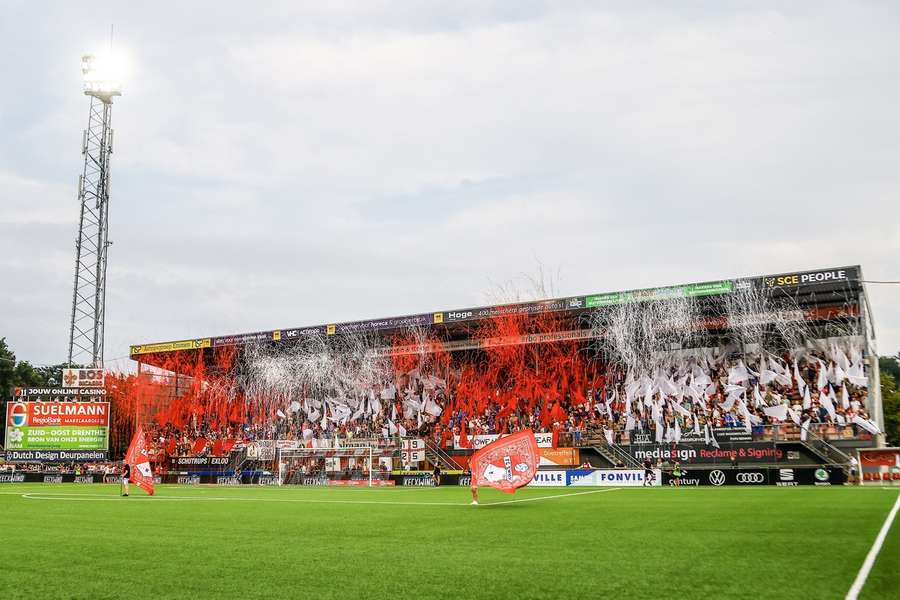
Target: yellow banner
x,y
171,346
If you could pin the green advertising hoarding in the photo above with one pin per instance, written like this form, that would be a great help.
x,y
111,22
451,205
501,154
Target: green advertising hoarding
x,y
709,288
57,426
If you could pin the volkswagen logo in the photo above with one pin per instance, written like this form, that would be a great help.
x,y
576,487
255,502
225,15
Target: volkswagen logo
x,y
750,478
716,477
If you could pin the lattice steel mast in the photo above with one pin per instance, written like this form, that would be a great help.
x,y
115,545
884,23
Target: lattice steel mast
x,y
92,243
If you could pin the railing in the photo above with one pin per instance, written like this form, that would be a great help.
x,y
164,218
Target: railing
x,y
440,454
820,446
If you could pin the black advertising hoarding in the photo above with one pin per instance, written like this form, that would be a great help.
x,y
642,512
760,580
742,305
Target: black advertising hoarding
x,y
741,452
200,462
56,455
825,280
750,477
806,279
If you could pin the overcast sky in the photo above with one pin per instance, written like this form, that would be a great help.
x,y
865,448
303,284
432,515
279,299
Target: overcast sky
x,y
290,163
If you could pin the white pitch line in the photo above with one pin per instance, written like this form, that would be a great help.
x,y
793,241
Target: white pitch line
x,y
551,497
108,498
860,581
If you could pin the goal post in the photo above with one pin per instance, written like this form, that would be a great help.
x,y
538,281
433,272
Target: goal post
x,y
345,465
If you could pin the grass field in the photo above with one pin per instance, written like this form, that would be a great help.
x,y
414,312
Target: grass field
x,y
71,541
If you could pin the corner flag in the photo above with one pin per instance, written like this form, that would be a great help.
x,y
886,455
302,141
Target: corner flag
x,y
141,475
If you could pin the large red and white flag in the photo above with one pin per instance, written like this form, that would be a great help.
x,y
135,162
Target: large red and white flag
x,y
139,460
507,463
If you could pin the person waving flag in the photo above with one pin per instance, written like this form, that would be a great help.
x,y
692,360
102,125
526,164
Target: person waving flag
x,y
505,464
137,463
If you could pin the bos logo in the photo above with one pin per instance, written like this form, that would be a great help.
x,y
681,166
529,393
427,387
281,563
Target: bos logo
x,y
18,415
438,317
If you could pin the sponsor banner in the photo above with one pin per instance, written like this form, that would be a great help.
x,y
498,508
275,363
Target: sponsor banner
x,y
808,476
611,477
560,457
226,480
53,478
743,453
183,462
12,478
746,477
544,440
57,425
188,480
83,378
417,480
56,455
709,288
360,483
61,394
466,480
268,480
549,479
482,343
842,275
84,479
722,434
171,346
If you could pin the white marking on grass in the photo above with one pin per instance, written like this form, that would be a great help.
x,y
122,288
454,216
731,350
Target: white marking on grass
x,y
873,554
551,497
107,498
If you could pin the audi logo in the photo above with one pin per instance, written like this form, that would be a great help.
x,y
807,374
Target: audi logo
x,y
751,478
716,477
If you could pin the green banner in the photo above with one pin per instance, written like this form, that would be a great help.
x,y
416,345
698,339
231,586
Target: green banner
x,y
710,288
57,438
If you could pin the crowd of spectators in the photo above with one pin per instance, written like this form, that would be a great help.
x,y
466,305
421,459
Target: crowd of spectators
x,y
820,389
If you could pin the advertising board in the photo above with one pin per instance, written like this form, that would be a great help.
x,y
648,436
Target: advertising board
x,y
57,425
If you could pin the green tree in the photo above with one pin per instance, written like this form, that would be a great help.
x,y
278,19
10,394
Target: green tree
x,y
7,371
890,399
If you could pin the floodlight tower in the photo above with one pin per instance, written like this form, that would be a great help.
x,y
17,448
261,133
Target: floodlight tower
x,y
89,294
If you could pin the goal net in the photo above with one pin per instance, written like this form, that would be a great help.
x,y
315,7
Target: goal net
x,y
358,465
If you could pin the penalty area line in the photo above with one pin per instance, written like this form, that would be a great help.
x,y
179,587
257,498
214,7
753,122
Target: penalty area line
x,y
867,565
551,497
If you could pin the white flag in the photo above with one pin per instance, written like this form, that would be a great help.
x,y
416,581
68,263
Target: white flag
x,y
866,424
778,411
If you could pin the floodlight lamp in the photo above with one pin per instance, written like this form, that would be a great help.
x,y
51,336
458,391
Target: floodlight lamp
x,y
100,80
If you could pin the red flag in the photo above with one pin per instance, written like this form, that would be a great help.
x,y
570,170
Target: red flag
x,y
464,435
199,445
138,459
506,464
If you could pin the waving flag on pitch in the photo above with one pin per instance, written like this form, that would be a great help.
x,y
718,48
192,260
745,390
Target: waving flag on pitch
x,y
506,464
139,459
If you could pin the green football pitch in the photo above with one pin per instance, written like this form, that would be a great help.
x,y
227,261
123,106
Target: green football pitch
x,y
84,541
